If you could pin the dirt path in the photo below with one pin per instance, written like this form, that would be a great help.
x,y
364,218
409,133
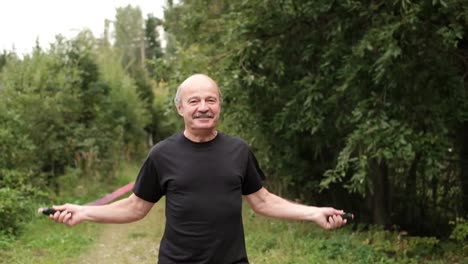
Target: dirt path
x,y
128,243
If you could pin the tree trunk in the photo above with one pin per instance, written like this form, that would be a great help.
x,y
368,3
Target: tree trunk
x,y
380,197
410,199
464,166
463,135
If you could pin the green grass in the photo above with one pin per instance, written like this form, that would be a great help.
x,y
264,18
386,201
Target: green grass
x,y
279,242
44,241
268,240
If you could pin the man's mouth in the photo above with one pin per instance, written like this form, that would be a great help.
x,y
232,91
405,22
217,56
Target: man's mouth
x,y
203,116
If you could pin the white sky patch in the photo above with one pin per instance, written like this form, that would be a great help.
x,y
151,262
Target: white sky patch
x,y
24,21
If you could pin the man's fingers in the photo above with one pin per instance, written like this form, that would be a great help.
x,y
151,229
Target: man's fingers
x,y
67,219
335,221
338,212
55,216
64,217
61,216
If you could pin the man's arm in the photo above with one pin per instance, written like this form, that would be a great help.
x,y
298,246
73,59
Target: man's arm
x,y
126,210
268,204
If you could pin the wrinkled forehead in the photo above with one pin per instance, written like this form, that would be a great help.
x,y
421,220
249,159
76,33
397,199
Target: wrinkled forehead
x,y
199,87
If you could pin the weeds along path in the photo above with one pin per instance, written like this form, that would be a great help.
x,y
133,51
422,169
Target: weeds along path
x,y
128,243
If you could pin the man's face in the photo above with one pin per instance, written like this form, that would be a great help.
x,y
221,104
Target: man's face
x,y
200,106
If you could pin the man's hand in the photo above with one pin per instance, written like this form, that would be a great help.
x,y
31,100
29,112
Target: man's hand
x,y
122,211
268,204
328,217
69,214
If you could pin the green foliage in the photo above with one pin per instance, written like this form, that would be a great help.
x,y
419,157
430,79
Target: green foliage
x,y
460,230
136,44
277,241
12,209
45,241
267,240
423,246
126,112
153,47
129,35
362,100
67,113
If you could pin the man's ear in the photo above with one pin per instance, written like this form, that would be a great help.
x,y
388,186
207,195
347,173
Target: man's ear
x,y
179,110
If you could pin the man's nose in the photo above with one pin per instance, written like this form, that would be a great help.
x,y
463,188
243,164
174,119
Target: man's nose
x,y
203,106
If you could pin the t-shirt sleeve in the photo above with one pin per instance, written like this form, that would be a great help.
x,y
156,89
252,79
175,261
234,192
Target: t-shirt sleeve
x,y
254,177
147,185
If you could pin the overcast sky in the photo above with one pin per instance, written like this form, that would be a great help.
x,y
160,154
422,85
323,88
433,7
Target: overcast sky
x,y
23,21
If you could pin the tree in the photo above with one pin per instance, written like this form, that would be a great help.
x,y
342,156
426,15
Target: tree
x,y
138,41
129,35
360,99
153,46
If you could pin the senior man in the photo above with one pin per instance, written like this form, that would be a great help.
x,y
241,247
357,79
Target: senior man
x,y
204,174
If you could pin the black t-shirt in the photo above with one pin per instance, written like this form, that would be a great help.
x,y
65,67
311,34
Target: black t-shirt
x,y
203,184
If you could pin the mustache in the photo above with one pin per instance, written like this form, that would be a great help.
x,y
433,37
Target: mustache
x,y
203,115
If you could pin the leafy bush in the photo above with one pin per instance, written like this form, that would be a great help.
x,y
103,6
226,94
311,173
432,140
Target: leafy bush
x,y
13,210
460,230
423,246
64,114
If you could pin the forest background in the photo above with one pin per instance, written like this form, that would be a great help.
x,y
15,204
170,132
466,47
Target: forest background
x,y
361,105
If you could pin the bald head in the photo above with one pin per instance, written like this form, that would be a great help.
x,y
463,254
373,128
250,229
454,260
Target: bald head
x,y
196,80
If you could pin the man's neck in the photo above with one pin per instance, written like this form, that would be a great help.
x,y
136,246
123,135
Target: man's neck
x,y
200,136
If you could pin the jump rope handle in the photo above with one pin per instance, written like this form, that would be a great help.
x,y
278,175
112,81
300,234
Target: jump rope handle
x,y
348,217
47,211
